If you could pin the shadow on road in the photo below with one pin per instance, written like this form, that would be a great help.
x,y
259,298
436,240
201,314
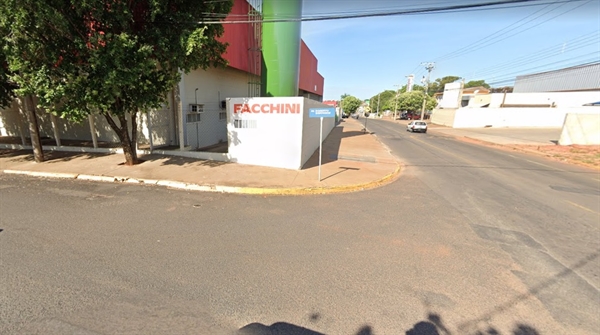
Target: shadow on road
x,y
432,326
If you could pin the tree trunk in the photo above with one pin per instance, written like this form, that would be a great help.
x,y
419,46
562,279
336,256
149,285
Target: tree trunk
x,y
34,130
129,146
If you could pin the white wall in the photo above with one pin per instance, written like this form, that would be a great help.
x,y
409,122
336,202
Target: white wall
x,y
214,85
560,99
261,135
11,120
444,117
582,129
513,117
265,138
452,95
311,130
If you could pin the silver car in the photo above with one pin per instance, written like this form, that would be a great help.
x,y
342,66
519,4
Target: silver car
x,y
417,126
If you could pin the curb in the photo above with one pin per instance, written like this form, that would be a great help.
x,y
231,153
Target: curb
x,y
218,188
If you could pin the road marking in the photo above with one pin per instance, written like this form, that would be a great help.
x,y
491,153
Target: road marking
x,y
582,207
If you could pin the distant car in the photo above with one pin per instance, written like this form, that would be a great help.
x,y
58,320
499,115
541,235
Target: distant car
x,y
417,126
403,116
414,116
344,116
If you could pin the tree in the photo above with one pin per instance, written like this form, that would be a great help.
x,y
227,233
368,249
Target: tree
x,y
350,104
114,58
8,90
383,100
413,101
477,83
438,84
7,87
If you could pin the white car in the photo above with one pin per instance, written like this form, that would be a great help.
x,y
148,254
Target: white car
x,y
417,126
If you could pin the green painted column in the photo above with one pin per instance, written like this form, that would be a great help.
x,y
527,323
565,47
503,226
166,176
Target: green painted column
x,y
281,48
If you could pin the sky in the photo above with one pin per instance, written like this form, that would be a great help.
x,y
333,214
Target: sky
x,y
365,56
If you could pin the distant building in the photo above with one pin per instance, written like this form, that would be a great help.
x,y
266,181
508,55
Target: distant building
x,y
332,103
465,95
572,79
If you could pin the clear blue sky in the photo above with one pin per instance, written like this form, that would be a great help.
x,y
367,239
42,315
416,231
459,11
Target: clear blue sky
x,y
365,56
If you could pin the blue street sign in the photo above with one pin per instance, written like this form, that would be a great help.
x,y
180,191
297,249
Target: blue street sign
x,y
321,112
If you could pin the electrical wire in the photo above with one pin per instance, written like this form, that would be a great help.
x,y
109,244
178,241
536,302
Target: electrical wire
x,y
418,11
470,47
524,30
511,76
575,45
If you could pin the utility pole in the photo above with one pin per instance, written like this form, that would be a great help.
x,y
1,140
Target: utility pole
x,y
396,101
429,67
378,98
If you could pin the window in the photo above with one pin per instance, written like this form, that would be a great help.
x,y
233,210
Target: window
x,y
196,108
193,117
222,116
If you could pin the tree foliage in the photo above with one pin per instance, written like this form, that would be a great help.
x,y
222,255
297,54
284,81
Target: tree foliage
x,y
7,86
115,58
477,83
413,101
350,104
382,101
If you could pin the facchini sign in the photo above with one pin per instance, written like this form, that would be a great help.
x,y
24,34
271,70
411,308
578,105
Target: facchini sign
x,y
266,131
321,113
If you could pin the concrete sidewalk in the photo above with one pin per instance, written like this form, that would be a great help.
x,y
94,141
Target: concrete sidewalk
x,y
352,161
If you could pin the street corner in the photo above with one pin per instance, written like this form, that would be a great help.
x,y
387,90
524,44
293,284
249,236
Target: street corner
x,y
325,190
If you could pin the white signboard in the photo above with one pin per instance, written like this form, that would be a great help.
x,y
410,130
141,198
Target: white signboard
x,y
266,131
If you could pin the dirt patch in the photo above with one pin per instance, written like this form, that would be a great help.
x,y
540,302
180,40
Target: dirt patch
x,y
582,155
585,155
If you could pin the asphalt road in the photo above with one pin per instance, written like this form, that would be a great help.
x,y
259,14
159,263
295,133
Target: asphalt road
x,y
471,239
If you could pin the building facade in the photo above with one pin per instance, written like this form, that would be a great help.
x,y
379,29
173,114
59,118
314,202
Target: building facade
x,y
195,116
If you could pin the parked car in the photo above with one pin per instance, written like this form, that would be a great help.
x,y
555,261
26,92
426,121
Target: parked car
x,y
417,126
414,116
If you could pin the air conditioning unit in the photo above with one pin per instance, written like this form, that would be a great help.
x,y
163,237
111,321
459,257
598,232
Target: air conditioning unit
x,y
196,108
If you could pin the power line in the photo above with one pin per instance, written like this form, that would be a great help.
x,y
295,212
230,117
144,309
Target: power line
x,y
511,76
494,40
537,57
454,8
483,40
